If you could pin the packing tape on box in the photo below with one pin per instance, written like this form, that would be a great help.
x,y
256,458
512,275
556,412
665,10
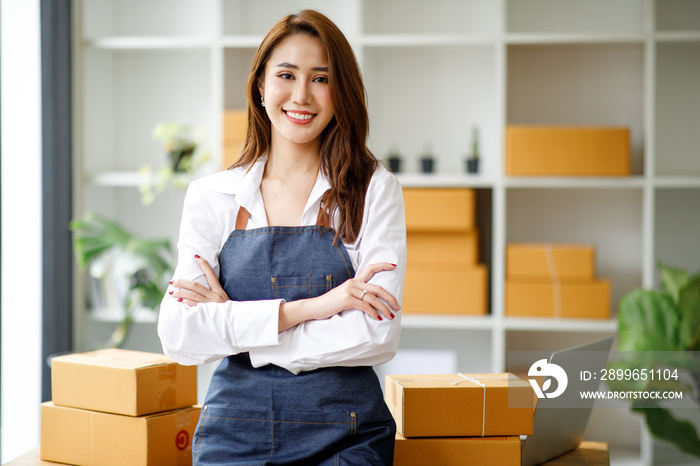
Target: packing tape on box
x,y
465,378
554,277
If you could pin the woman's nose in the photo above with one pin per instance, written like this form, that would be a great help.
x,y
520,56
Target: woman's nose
x,y
301,93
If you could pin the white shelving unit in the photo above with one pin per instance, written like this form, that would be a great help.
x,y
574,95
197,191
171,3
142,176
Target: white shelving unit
x,y
433,70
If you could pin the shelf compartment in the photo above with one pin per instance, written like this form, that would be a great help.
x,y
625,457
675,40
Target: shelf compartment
x,y
677,102
579,85
601,17
255,17
545,324
608,219
179,18
677,15
126,93
413,102
677,214
470,17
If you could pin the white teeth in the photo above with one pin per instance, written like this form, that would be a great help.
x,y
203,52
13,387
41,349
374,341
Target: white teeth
x,y
300,116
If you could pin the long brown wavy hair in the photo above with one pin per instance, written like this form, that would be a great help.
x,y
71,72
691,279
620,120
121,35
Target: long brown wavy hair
x,y
345,159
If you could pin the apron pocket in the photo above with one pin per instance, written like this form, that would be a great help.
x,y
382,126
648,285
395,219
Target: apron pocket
x,y
292,288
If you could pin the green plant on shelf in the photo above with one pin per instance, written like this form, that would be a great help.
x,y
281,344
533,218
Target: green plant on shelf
x,y
182,144
658,330
112,254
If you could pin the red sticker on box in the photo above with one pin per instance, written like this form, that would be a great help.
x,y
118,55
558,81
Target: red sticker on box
x,y
182,440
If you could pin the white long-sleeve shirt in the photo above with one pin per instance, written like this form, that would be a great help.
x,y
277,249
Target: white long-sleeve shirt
x,y
210,331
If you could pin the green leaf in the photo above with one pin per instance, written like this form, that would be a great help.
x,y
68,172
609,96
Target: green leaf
x,y
689,306
672,280
648,321
664,426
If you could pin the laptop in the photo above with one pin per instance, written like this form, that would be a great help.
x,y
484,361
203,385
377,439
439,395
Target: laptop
x,y
558,427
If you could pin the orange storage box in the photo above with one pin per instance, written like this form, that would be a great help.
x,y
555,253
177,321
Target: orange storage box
x,y
565,262
235,125
443,248
567,151
457,451
443,209
82,437
578,300
460,405
445,289
122,381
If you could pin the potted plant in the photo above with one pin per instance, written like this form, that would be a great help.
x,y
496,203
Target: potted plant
x,y
117,260
661,328
182,144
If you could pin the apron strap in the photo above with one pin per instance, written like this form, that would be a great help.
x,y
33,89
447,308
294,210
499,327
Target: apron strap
x,y
322,219
242,218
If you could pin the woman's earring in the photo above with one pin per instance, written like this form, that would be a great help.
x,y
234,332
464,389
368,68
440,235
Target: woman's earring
x,y
262,101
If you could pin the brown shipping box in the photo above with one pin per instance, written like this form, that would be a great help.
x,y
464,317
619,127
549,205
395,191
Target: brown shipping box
x,y
82,437
582,300
439,209
567,151
443,248
445,289
457,451
460,405
122,382
564,262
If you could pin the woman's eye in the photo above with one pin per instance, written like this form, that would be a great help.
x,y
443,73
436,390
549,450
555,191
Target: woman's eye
x,y
285,76
321,79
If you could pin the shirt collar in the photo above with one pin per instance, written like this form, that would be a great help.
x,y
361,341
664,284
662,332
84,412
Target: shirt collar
x,y
247,191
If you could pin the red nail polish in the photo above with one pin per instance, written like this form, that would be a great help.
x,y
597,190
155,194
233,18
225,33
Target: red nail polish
x,y
394,265
392,315
179,299
170,292
379,317
170,282
196,256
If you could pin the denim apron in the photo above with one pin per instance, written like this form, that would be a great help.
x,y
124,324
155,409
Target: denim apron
x,y
267,415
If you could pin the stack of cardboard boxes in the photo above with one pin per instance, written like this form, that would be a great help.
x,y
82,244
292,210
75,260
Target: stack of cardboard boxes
x,y
119,407
443,275
457,419
554,280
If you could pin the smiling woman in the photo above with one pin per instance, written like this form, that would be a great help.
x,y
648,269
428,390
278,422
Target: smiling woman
x,y
291,267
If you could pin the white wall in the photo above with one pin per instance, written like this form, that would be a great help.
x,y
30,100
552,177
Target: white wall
x,y
21,226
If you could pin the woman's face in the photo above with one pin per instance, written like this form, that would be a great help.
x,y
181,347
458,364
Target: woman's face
x,y
296,90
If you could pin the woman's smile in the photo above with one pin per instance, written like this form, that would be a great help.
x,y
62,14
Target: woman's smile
x,y
299,117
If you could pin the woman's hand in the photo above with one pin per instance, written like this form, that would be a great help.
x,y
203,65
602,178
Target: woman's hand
x,y
355,293
192,293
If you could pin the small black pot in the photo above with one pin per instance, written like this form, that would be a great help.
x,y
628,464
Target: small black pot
x,y
473,165
427,165
394,164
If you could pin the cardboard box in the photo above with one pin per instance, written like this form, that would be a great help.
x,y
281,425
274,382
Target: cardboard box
x,y
445,289
562,151
82,437
460,405
577,300
588,454
443,248
550,262
123,382
235,126
457,451
439,209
